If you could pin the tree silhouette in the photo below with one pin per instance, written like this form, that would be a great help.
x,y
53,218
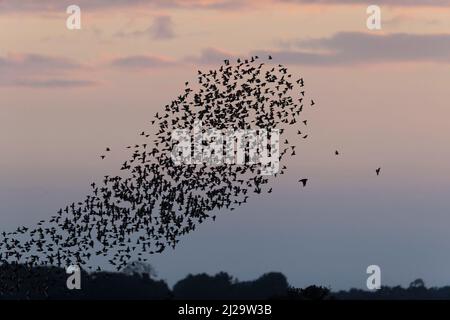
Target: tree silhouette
x,y
418,283
223,286
309,293
140,268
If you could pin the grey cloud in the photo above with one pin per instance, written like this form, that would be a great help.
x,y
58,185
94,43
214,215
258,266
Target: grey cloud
x,y
54,83
348,48
162,28
36,62
399,3
34,70
405,19
61,5
340,49
209,56
142,62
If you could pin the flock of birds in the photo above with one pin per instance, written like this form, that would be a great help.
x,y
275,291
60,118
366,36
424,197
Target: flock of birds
x,y
152,203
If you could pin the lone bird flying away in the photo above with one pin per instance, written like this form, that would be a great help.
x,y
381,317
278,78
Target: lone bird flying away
x,y
303,181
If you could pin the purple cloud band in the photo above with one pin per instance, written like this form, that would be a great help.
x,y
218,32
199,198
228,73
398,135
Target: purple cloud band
x,y
340,49
349,48
61,5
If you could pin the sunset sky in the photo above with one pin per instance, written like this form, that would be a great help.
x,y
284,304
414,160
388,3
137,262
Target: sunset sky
x,y
382,100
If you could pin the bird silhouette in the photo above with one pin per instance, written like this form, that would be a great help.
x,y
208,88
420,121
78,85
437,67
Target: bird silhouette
x,y
303,181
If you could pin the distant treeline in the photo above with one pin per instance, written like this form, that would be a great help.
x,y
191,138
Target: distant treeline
x,y
50,283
